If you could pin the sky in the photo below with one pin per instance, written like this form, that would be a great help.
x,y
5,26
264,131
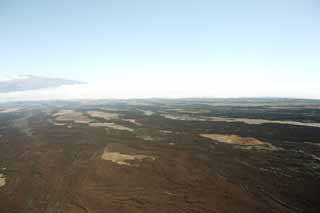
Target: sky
x,y
167,48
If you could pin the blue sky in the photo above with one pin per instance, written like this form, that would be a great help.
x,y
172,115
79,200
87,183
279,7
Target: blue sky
x,y
189,48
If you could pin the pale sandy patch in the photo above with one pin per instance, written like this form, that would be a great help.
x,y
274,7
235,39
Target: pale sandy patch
x,y
70,115
9,110
110,109
146,138
63,112
133,122
200,111
315,157
79,117
139,104
2,180
252,121
122,159
165,131
104,115
234,139
314,144
247,143
147,112
182,117
263,121
111,126
59,124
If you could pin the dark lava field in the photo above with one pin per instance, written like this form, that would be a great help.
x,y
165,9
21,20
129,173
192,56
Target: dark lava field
x,y
160,156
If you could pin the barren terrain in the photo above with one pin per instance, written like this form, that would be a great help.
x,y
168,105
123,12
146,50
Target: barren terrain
x,y
160,156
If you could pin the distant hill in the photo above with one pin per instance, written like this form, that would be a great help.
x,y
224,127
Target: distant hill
x,y
31,82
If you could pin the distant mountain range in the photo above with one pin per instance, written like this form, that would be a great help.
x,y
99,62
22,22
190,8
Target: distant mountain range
x,y
31,82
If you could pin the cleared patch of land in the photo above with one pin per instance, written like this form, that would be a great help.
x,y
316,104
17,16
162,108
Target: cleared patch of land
x,y
147,112
146,138
263,121
62,112
79,117
165,131
248,143
122,159
2,180
70,115
59,124
133,121
104,115
182,117
9,110
186,117
233,139
200,111
111,126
